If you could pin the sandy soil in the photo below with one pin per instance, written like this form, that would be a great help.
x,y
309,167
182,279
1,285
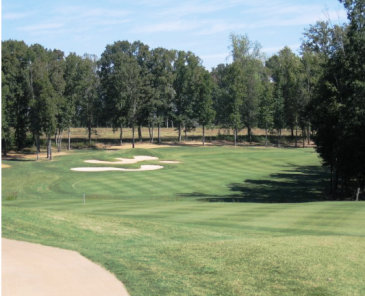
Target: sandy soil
x,y
29,156
124,160
5,166
105,169
36,270
169,161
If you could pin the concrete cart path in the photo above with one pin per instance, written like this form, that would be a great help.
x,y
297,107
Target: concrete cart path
x,y
35,270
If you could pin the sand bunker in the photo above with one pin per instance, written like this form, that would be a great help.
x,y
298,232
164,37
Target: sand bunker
x,y
124,160
135,159
105,169
31,269
5,166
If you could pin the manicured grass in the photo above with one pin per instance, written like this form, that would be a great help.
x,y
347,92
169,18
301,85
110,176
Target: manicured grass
x,y
215,224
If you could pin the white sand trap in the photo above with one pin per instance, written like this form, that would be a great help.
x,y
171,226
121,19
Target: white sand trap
x,y
31,269
5,166
105,169
124,160
169,161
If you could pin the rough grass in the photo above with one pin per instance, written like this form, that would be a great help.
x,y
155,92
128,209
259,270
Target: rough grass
x,y
226,221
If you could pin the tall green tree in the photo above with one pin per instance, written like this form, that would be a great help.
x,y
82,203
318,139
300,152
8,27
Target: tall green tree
x,y
339,107
287,73
57,79
17,93
88,103
351,156
235,96
161,67
220,97
266,107
185,69
72,85
112,84
5,120
43,105
204,100
247,55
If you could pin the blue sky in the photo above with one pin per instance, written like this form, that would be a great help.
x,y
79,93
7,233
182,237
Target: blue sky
x,y
200,26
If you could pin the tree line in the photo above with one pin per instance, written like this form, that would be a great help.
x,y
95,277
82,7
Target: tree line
x,y
319,92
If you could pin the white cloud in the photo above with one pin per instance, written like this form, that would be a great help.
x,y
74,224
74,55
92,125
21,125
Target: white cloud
x,y
42,26
15,15
191,8
280,14
173,26
219,26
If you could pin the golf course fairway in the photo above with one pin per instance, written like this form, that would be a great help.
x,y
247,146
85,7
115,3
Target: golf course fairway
x,y
223,221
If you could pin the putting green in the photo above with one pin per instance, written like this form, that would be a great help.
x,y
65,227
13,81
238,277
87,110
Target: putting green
x,y
225,221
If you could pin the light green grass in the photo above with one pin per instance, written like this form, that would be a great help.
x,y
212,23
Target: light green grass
x,y
158,234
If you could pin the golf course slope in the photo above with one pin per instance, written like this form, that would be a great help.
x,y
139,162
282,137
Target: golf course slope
x,y
32,269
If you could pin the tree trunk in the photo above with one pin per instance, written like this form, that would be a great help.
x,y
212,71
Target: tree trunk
x,y
336,181
172,124
59,147
331,180
309,135
140,134
179,132
279,137
50,148
159,136
37,144
153,126
69,139
149,132
121,135
47,144
249,134
133,136
296,135
342,186
303,131
203,135
235,137
292,131
167,122
357,194
186,136
89,127
265,135
4,147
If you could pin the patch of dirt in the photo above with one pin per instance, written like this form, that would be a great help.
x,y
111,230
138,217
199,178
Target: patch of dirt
x,y
30,156
5,166
32,269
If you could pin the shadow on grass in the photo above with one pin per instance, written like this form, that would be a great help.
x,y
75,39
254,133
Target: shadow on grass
x,y
17,159
294,185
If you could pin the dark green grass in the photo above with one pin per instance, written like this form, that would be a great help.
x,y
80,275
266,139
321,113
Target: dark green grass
x,y
226,221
